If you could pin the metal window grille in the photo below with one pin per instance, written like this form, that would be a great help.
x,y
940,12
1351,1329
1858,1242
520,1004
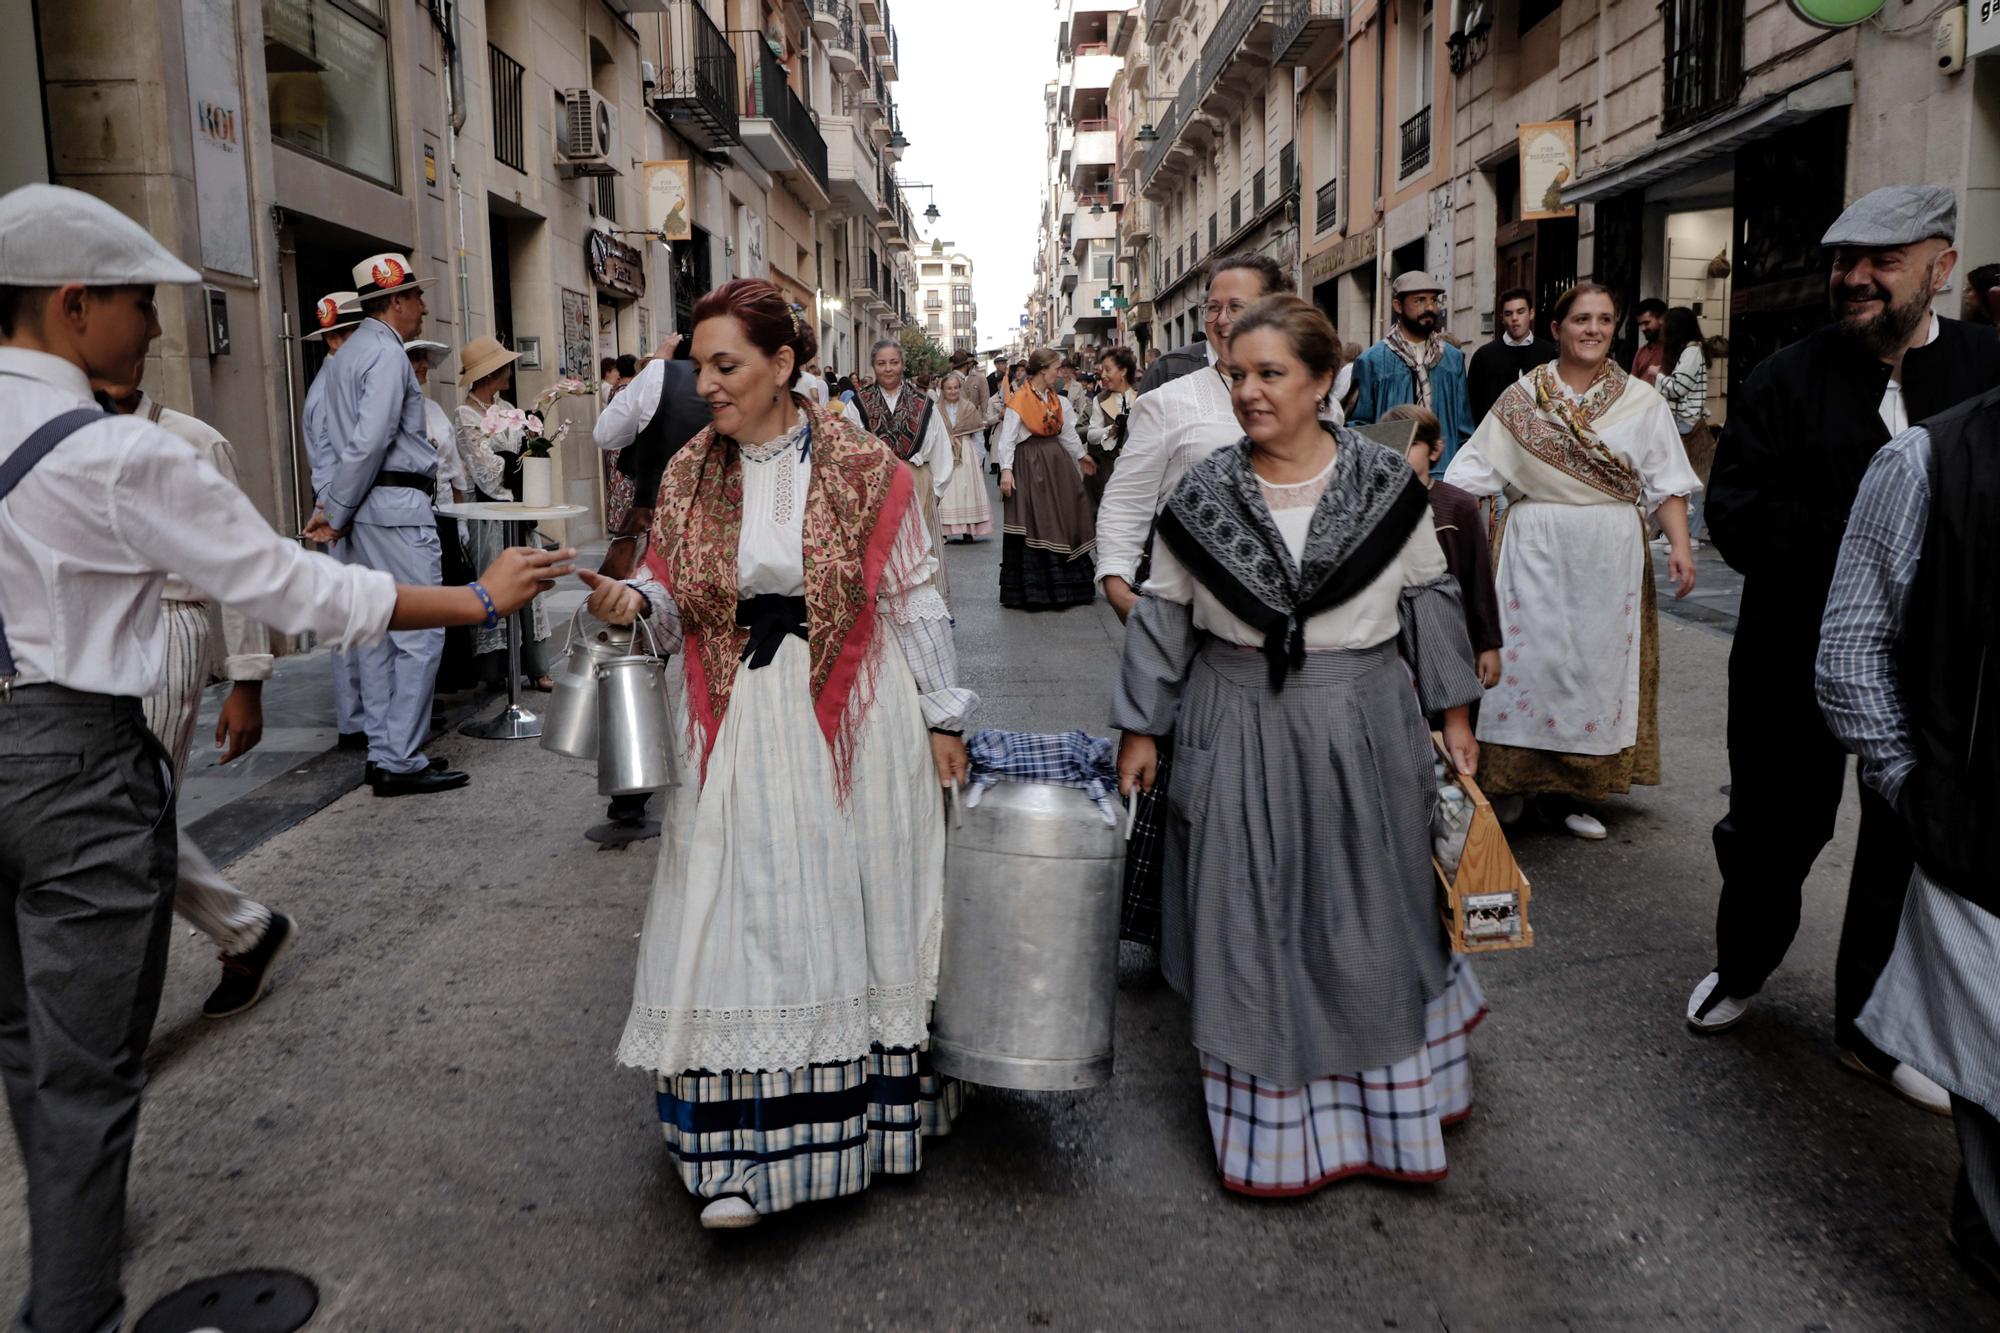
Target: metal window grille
x,y
1416,143
1704,58
607,198
1257,191
1235,212
1326,207
1213,229
509,113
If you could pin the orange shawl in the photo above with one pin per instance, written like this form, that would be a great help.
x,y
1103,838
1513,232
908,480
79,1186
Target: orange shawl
x,y
1042,416
855,502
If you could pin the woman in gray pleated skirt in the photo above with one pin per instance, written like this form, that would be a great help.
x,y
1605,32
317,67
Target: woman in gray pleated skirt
x,y
1297,627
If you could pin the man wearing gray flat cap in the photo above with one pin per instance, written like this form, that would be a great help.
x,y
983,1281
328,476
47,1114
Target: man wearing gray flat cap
x,y
1800,436
96,510
1416,364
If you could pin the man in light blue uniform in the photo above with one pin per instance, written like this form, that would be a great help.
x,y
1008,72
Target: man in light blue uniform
x,y
377,498
336,314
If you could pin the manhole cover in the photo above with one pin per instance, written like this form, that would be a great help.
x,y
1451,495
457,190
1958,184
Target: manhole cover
x,y
252,1300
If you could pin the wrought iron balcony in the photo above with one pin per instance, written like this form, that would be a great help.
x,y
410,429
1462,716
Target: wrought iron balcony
x,y
697,90
1704,59
767,96
509,139
1307,30
1326,207
1416,153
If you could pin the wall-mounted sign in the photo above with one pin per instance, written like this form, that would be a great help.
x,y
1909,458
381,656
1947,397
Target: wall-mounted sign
x,y
615,265
576,335
221,168
1982,32
669,200
1836,13
1548,162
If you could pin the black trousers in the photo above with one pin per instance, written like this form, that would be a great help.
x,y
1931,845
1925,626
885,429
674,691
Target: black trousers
x,y
1786,772
87,857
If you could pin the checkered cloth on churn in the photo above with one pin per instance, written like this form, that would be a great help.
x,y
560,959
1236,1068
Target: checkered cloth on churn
x,y
1069,759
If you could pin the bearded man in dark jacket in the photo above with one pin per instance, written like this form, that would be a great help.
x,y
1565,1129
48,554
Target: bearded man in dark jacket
x,y
1799,438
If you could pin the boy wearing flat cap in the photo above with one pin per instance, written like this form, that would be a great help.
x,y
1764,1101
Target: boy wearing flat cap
x,y
95,511
1800,436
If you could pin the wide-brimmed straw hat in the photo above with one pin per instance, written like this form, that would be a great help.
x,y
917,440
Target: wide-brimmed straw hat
x,y
481,357
379,275
336,312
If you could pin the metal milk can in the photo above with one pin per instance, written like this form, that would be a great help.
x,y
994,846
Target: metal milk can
x,y
570,724
637,750
1029,969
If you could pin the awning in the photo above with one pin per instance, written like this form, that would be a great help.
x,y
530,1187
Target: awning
x,y
1715,138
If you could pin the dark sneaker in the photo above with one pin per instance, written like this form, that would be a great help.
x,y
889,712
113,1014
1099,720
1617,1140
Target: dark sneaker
x,y
246,976
369,772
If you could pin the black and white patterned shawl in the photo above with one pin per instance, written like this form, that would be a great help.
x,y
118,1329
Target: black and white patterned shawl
x,y
1218,524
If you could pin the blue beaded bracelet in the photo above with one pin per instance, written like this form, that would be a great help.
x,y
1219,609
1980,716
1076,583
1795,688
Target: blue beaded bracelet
x,y
492,611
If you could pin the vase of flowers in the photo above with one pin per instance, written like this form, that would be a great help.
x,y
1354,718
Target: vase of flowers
x,y
525,433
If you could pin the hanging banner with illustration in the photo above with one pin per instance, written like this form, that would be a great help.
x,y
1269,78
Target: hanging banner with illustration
x,y
669,200
576,356
1548,162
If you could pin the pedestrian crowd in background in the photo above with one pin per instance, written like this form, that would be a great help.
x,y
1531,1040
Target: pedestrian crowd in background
x,y
1304,608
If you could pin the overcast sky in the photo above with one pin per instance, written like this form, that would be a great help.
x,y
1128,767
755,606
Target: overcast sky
x,y
970,93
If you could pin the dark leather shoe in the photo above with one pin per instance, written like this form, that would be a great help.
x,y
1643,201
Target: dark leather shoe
x,y
418,784
353,740
369,772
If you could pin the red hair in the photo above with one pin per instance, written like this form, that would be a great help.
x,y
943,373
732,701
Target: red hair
x,y
768,319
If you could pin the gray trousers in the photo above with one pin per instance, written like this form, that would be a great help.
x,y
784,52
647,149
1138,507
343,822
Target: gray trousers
x,y
399,674
347,715
86,896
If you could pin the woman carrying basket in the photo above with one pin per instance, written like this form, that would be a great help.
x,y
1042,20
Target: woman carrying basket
x,y
1288,572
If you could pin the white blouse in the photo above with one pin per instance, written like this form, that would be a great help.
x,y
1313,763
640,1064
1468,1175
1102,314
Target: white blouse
x,y
1364,620
1013,430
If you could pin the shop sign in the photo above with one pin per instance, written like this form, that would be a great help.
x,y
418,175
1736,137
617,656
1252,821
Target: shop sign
x,y
221,171
1982,35
615,265
576,335
1836,13
1353,252
1548,162
669,200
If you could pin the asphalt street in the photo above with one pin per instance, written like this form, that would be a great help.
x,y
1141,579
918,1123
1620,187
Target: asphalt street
x,y
425,1116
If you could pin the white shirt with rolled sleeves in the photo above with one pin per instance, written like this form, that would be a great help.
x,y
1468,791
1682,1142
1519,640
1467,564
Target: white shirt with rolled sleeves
x,y
246,645
88,536
630,408
936,448
1173,427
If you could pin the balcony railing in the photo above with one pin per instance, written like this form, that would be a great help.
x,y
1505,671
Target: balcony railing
x,y
767,96
1326,207
1224,43
1704,58
509,137
697,91
1416,153
1300,23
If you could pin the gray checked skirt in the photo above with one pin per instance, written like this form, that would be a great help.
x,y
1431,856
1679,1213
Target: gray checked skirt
x,y
1299,912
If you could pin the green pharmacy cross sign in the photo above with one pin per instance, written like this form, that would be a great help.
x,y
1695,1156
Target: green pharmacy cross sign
x,y
1111,301
1836,13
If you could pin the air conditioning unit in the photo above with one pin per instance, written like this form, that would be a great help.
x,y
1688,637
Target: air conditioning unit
x,y
589,132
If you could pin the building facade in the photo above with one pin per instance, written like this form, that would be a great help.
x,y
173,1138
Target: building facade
x,y
504,145
944,297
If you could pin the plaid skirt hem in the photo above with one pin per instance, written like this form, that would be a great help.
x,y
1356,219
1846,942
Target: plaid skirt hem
x,y
780,1138
1275,1142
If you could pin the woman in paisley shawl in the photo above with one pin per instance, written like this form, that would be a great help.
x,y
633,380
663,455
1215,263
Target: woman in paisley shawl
x,y
1048,540
1585,453
1290,573
790,952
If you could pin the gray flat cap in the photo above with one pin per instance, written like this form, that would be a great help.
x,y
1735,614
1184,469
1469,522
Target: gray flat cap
x,y
1896,215
50,235
1418,281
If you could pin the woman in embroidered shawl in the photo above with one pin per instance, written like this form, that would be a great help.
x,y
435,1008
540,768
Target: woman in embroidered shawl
x,y
1584,453
963,509
790,952
1048,540
1299,912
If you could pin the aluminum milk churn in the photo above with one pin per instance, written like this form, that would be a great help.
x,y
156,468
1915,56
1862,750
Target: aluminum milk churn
x,y
570,726
1029,970
637,750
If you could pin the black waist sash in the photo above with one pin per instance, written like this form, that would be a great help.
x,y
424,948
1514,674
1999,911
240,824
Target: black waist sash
x,y
770,618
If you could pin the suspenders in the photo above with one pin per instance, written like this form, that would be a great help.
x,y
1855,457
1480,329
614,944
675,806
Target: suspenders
x,y
19,463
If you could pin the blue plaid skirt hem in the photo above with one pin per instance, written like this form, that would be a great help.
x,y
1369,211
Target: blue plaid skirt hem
x,y
783,1137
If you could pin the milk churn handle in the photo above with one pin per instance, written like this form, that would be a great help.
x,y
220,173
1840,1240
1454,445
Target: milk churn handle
x,y
570,638
643,623
1131,814
957,810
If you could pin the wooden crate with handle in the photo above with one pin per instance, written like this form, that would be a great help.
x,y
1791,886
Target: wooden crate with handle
x,y
1485,907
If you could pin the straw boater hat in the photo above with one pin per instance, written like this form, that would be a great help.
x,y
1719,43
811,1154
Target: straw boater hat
x,y
336,312
379,275
436,351
481,357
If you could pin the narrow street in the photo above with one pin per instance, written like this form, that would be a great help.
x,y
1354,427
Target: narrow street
x,y
425,1116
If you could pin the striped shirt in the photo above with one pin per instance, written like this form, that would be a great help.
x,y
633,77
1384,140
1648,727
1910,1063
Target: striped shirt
x,y
1686,390
1857,683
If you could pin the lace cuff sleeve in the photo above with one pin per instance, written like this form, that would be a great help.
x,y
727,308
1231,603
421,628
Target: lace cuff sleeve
x,y
662,616
917,616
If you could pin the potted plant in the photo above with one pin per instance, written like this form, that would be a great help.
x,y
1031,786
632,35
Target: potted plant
x,y
524,433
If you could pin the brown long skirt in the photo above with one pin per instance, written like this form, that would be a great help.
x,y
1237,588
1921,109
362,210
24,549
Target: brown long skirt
x,y
1048,554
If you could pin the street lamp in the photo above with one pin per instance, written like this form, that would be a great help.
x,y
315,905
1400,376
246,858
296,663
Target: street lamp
x,y
931,213
899,140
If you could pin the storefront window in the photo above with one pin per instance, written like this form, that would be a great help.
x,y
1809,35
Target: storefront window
x,y
326,63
